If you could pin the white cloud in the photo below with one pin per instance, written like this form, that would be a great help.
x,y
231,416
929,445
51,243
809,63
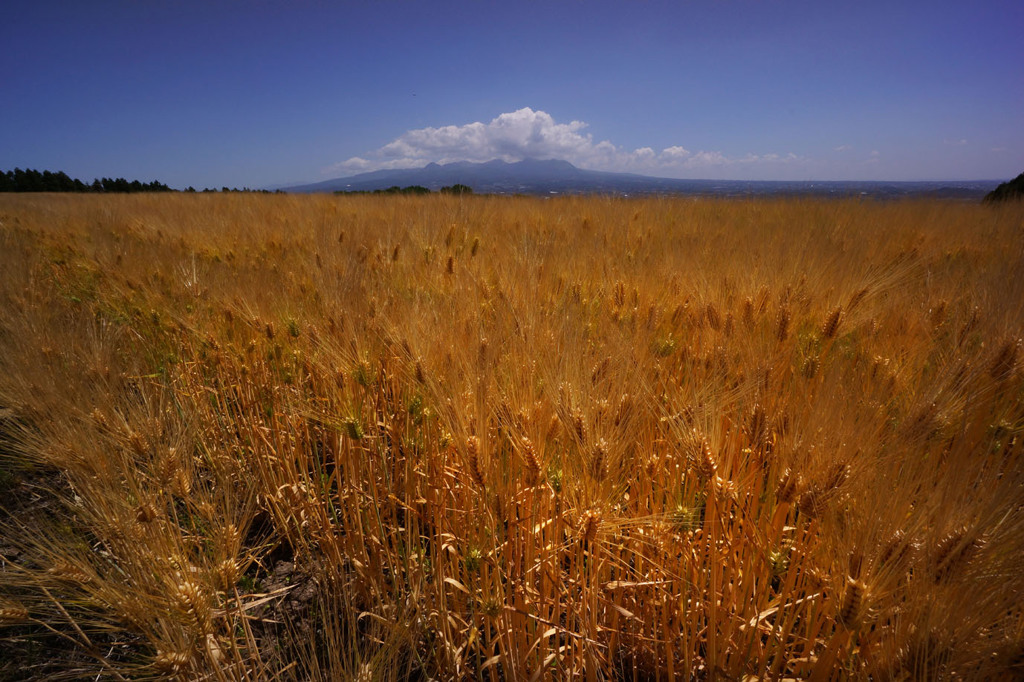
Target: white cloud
x,y
526,133
510,137
675,153
708,159
843,148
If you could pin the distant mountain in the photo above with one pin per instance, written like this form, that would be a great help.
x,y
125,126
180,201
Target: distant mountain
x,y
529,176
547,177
1014,189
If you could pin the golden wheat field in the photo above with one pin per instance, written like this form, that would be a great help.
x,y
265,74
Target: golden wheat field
x,y
255,437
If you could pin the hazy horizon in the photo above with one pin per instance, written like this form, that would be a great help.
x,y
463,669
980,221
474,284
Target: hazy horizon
x,y
258,95
709,179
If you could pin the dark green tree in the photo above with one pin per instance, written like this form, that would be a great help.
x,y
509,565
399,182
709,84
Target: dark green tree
x,y
1014,189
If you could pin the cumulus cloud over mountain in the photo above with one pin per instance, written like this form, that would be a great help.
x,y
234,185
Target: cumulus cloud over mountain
x,y
526,133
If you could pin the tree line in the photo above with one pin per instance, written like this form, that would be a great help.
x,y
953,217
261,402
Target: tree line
x,y
30,180
412,189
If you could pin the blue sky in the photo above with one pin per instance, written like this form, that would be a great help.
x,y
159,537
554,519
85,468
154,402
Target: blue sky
x,y
262,93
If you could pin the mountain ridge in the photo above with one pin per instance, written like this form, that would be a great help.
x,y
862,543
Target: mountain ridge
x,y
557,176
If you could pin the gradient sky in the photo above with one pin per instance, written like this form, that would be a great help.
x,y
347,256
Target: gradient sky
x,y
262,93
